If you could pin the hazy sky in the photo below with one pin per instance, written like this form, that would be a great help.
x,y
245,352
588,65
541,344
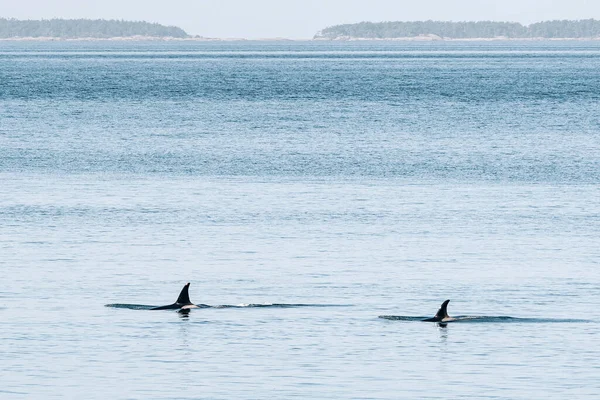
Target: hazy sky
x,y
296,18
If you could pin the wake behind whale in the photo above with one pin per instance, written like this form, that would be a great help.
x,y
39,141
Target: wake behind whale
x,y
183,303
442,318
484,319
257,305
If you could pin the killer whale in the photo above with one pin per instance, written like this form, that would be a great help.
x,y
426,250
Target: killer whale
x,y
183,301
442,314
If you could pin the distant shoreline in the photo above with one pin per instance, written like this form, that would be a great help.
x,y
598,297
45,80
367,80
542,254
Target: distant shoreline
x,y
353,39
139,39
66,30
444,39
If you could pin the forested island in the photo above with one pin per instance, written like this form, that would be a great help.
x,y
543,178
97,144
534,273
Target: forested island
x,y
564,29
426,30
85,28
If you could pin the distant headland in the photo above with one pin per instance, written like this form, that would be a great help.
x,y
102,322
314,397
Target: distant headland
x,y
101,29
445,30
85,29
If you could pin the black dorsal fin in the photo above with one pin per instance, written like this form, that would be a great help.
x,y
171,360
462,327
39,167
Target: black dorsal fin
x,y
443,311
184,296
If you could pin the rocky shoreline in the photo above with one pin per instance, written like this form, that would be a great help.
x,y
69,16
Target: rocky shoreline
x,y
422,38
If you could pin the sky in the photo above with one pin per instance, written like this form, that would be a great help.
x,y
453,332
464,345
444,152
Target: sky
x,y
295,19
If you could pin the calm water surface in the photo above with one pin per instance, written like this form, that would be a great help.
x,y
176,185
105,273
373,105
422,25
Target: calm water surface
x,y
365,179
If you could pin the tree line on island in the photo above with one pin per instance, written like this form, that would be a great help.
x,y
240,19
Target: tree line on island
x,y
101,29
85,28
587,28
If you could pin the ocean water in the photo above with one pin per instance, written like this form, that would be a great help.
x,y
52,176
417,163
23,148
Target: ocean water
x,y
330,183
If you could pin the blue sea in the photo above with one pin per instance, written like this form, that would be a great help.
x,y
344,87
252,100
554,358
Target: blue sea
x,y
304,189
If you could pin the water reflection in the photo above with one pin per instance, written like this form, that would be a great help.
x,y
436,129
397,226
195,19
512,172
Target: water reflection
x,y
443,332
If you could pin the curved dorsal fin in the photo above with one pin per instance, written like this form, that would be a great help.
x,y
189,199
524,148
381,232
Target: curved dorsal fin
x,y
443,311
184,296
